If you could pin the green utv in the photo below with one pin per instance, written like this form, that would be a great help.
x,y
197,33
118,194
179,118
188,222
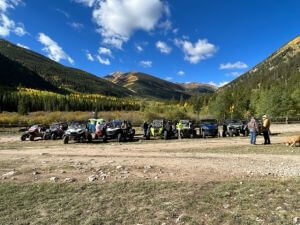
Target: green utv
x,y
188,129
161,129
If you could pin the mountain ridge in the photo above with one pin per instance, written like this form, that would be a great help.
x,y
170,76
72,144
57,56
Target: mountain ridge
x,y
150,86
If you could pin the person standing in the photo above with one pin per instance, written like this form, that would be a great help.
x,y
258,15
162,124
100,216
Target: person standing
x,y
253,129
179,127
266,129
145,127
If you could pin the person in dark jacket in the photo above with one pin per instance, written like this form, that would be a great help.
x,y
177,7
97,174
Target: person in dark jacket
x,y
266,129
145,127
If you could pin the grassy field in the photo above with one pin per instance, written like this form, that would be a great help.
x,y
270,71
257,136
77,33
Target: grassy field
x,y
254,201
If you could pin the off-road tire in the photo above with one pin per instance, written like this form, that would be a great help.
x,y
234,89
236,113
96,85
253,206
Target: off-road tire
x,y
119,137
66,139
165,135
192,136
131,137
23,137
45,137
53,137
230,133
148,137
31,137
104,138
89,138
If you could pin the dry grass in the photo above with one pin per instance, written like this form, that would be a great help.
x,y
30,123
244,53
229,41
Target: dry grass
x,y
253,201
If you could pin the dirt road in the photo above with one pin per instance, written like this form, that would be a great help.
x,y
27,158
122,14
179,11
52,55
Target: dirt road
x,y
198,159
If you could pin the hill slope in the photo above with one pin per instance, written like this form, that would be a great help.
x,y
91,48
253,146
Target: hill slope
x,y
194,88
149,86
54,74
271,87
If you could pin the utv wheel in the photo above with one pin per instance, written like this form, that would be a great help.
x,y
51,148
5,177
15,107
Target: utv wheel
x,y
148,137
119,138
45,137
89,138
104,139
23,138
31,138
66,139
131,138
192,136
53,137
166,135
230,133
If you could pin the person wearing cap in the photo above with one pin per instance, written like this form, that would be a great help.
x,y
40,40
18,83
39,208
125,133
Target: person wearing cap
x,y
266,129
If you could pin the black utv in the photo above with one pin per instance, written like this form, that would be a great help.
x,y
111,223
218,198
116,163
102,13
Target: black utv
x,y
77,132
33,132
56,131
188,129
121,130
233,127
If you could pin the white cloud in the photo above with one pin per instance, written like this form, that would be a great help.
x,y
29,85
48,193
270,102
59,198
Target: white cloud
x,y
6,24
89,56
22,46
117,20
139,48
175,31
163,47
105,51
221,84
20,30
88,3
67,15
165,26
169,78
146,64
76,26
180,73
236,65
234,74
103,60
198,51
6,4
54,51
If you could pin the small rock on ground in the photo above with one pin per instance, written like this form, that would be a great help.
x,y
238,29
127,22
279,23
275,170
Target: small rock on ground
x,y
54,179
69,180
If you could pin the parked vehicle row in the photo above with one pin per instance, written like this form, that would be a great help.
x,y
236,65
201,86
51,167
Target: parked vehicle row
x,y
122,131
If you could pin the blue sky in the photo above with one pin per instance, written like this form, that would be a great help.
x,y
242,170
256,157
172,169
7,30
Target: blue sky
x,y
182,41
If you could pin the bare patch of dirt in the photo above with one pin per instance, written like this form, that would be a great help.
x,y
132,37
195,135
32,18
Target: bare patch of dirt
x,y
201,160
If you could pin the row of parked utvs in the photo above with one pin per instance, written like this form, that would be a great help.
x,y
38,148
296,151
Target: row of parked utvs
x,y
82,131
120,130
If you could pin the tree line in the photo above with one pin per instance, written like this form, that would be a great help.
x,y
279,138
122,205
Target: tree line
x,y
29,100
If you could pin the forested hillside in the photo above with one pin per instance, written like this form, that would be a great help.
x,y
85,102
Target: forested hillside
x,y
68,80
272,87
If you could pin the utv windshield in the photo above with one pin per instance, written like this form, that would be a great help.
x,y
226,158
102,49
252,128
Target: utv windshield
x,y
157,123
54,126
209,122
77,126
235,121
115,123
34,127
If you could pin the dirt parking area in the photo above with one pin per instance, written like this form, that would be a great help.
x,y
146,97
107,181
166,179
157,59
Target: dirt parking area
x,y
201,160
